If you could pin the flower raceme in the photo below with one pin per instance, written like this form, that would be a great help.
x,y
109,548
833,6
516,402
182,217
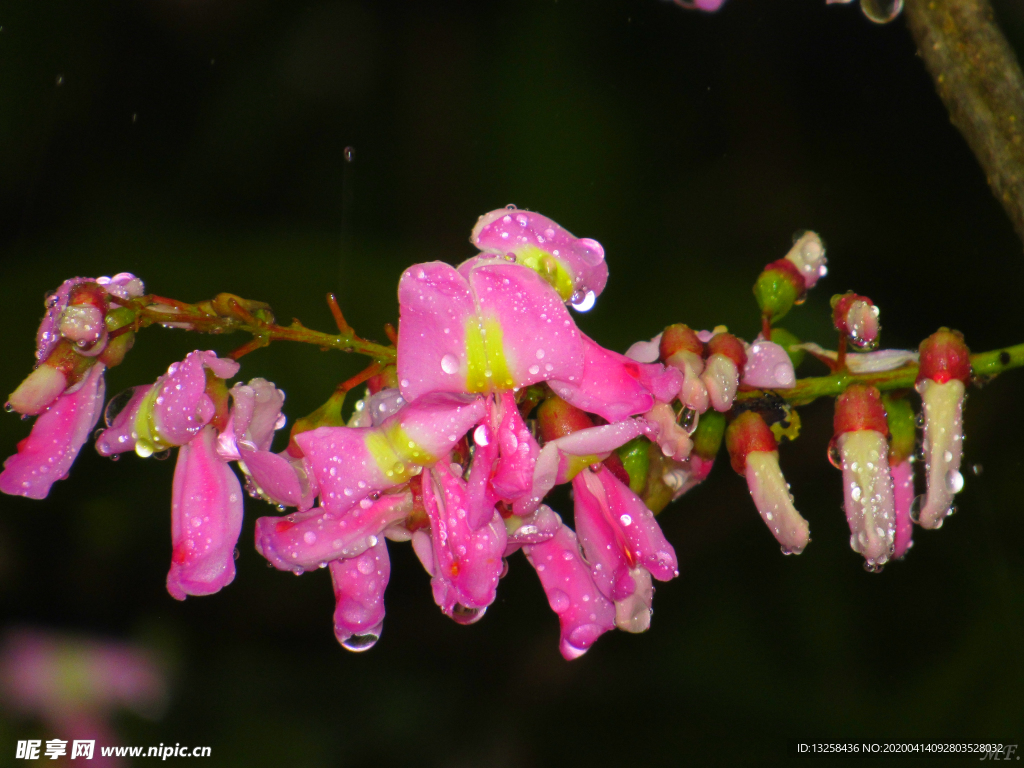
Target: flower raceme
x,y
490,399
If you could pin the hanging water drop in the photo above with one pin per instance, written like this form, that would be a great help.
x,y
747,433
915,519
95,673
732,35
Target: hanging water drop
x,y
360,643
688,418
462,614
915,508
117,404
881,11
585,303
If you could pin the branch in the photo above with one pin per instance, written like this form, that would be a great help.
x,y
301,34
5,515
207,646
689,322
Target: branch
x,y
980,82
984,365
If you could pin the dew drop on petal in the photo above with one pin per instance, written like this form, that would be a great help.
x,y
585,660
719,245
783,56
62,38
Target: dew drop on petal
x,y
449,364
360,643
584,303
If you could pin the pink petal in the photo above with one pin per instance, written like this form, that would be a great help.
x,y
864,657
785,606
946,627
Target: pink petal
x,y
303,541
688,474
466,563
645,351
120,435
256,412
275,477
181,407
480,497
583,612
626,513
768,367
528,235
435,308
48,334
206,518
603,543
359,585
518,451
808,253
615,387
673,440
903,498
57,436
539,339
534,528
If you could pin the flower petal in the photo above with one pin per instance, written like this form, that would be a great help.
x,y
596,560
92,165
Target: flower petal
x,y
57,436
359,585
615,387
572,265
517,452
868,492
903,499
304,540
768,367
943,447
206,518
771,497
583,612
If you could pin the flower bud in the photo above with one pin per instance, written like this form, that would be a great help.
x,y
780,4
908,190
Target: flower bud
x,y
721,376
856,317
860,442
681,348
778,288
753,453
945,366
808,256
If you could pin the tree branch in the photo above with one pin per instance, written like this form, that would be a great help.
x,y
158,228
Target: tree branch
x,y
979,80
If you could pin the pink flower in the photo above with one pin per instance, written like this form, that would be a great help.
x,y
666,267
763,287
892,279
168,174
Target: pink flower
x,y
624,545
574,267
206,519
465,564
499,327
348,464
725,360
59,433
903,499
584,613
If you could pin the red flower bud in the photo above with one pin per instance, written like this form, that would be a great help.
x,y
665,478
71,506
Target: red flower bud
x,y
860,407
944,356
747,432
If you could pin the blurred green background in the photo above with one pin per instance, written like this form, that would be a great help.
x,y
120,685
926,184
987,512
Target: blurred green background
x,y
201,145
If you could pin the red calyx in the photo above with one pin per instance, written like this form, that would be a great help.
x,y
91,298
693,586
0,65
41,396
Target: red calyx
x,y
789,269
944,356
747,432
680,338
728,345
89,295
556,418
860,407
841,308
614,465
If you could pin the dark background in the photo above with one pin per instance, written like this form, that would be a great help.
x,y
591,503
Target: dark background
x,y
200,145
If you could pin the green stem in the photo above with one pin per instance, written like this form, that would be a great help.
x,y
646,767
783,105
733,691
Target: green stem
x,y
986,364
209,317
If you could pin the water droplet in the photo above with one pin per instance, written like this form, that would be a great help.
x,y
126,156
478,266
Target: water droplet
x,y
117,404
504,568
115,457
855,493
360,643
954,481
881,11
947,456
59,80
584,303
977,469
835,458
510,207
593,251
236,554
350,155
480,435
873,567
162,455
8,407
688,418
449,364
534,370
462,614
559,601
915,508
626,520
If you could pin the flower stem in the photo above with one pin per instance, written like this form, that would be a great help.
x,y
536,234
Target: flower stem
x,y
227,313
983,365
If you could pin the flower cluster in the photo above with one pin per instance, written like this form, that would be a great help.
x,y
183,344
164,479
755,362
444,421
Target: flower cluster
x,y
493,398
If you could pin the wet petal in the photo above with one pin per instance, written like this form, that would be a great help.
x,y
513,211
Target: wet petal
x,y
721,379
868,492
359,585
206,518
615,387
942,405
57,436
768,367
903,499
569,264
771,496
583,612
304,540
518,451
